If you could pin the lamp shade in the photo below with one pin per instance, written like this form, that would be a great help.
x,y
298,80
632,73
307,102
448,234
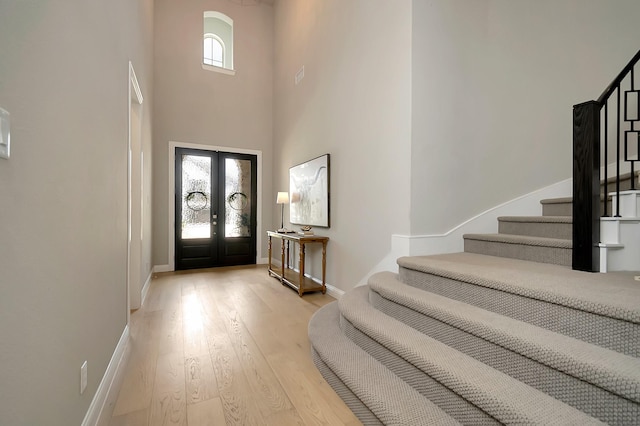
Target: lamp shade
x,y
283,198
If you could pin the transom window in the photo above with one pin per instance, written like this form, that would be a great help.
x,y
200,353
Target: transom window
x,y
217,42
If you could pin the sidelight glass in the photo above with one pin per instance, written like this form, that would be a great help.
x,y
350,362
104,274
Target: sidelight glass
x,y
237,194
196,197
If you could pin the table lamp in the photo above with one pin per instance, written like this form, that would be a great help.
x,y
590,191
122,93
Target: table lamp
x,y
283,198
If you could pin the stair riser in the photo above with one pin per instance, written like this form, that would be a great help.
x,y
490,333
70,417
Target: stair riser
x,y
443,397
614,334
566,209
536,229
559,209
552,255
578,393
350,399
357,377
625,184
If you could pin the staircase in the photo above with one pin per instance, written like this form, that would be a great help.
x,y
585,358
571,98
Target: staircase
x,y
620,232
502,333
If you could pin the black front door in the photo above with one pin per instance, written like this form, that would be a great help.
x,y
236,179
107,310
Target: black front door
x,y
215,209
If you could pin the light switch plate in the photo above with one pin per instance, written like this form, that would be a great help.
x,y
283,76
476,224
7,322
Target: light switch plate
x,y
5,134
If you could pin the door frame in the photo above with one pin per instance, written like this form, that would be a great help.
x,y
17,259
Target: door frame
x,y
172,192
134,177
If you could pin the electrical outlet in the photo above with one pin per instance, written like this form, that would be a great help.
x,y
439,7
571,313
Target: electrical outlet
x,y
83,377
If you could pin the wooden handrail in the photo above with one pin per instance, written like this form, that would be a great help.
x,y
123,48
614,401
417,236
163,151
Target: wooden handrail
x,y
614,84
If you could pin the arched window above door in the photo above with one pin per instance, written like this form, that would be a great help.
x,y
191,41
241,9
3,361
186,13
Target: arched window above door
x,y
217,42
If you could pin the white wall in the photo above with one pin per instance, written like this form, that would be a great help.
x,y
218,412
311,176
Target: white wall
x,y
198,106
63,197
494,82
353,103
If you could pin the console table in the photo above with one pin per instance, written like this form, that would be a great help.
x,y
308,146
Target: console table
x,y
286,273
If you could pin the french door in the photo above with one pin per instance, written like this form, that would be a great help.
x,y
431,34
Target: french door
x,y
216,204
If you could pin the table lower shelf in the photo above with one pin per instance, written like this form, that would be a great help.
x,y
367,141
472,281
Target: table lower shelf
x,y
292,279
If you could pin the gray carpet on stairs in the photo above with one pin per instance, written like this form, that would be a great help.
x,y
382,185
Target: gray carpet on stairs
x,y
372,392
489,391
537,293
600,382
536,249
557,206
504,333
558,227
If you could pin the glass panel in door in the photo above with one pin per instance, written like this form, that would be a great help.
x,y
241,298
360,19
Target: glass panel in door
x,y
237,246
196,220
238,194
196,197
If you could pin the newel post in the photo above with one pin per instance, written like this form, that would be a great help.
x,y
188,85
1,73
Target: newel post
x,y
586,186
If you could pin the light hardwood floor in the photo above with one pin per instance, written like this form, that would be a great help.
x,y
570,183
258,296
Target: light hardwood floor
x,y
225,346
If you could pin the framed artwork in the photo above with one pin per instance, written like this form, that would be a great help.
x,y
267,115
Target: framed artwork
x,y
309,192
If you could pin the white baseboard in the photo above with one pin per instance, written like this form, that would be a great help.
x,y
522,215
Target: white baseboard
x,y
334,292
485,222
145,288
167,268
109,385
162,268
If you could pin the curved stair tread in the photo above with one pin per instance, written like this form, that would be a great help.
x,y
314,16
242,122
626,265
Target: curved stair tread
x,y
619,298
521,240
607,369
394,403
499,395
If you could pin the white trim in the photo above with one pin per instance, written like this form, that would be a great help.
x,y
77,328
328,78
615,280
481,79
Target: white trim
x,y
172,198
134,83
145,288
485,222
218,15
262,261
108,389
332,291
218,69
162,268
135,97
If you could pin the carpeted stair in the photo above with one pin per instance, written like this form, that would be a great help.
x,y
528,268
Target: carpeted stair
x,y
545,238
472,338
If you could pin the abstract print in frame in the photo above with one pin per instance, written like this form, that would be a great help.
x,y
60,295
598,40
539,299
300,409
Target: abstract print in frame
x,y
309,192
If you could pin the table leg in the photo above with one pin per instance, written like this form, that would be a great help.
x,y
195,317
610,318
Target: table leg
x,y
287,255
269,254
324,267
282,261
300,288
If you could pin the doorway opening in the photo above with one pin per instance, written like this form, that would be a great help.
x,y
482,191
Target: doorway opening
x,y
215,203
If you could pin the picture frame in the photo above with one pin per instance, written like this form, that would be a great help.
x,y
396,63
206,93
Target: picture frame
x,y
309,185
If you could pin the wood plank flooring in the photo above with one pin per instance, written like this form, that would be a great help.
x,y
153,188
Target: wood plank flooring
x,y
225,346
